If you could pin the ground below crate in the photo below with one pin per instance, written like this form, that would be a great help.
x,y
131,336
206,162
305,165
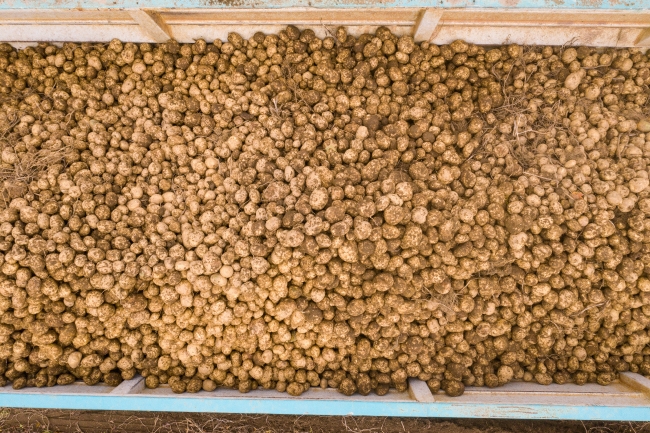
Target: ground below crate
x,y
41,421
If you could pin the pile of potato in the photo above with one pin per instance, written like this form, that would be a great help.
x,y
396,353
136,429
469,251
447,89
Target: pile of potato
x,y
288,212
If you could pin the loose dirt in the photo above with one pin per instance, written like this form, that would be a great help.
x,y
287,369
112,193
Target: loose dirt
x,y
50,421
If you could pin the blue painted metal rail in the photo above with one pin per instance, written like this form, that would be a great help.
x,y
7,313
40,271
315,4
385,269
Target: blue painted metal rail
x,y
620,401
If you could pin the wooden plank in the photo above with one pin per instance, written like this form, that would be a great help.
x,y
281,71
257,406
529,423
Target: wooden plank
x,y
152,24
516,401
63,16
486,35
546,17
486,405
643,37
189,33
615,389
592,36
382,16
419,391
72,33
426,24
76,388
636,381
340,4
133,386
314,393
296,16
481,26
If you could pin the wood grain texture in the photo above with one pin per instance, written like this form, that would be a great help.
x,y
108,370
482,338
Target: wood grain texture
x,y
426,24
152,24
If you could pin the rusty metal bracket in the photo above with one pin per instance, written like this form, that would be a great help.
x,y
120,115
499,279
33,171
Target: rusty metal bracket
x,y
426,24
152,24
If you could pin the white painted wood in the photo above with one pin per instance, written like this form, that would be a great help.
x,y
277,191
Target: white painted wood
x,y
426,24
627,37
496,35
315,16
644,37
519,17
75,388
546,17
133,386
530,388
21,16
548,400
481,26
602,37
520,399
21,45
314,393
72,33
152,24
189,33
419,391
296,16
636,381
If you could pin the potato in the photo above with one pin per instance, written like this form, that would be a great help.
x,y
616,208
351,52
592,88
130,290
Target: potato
x,y
289,212
453,388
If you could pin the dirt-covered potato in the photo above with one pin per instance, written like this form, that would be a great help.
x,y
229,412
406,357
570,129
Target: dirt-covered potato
x,y
177,385
350,212
453,388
